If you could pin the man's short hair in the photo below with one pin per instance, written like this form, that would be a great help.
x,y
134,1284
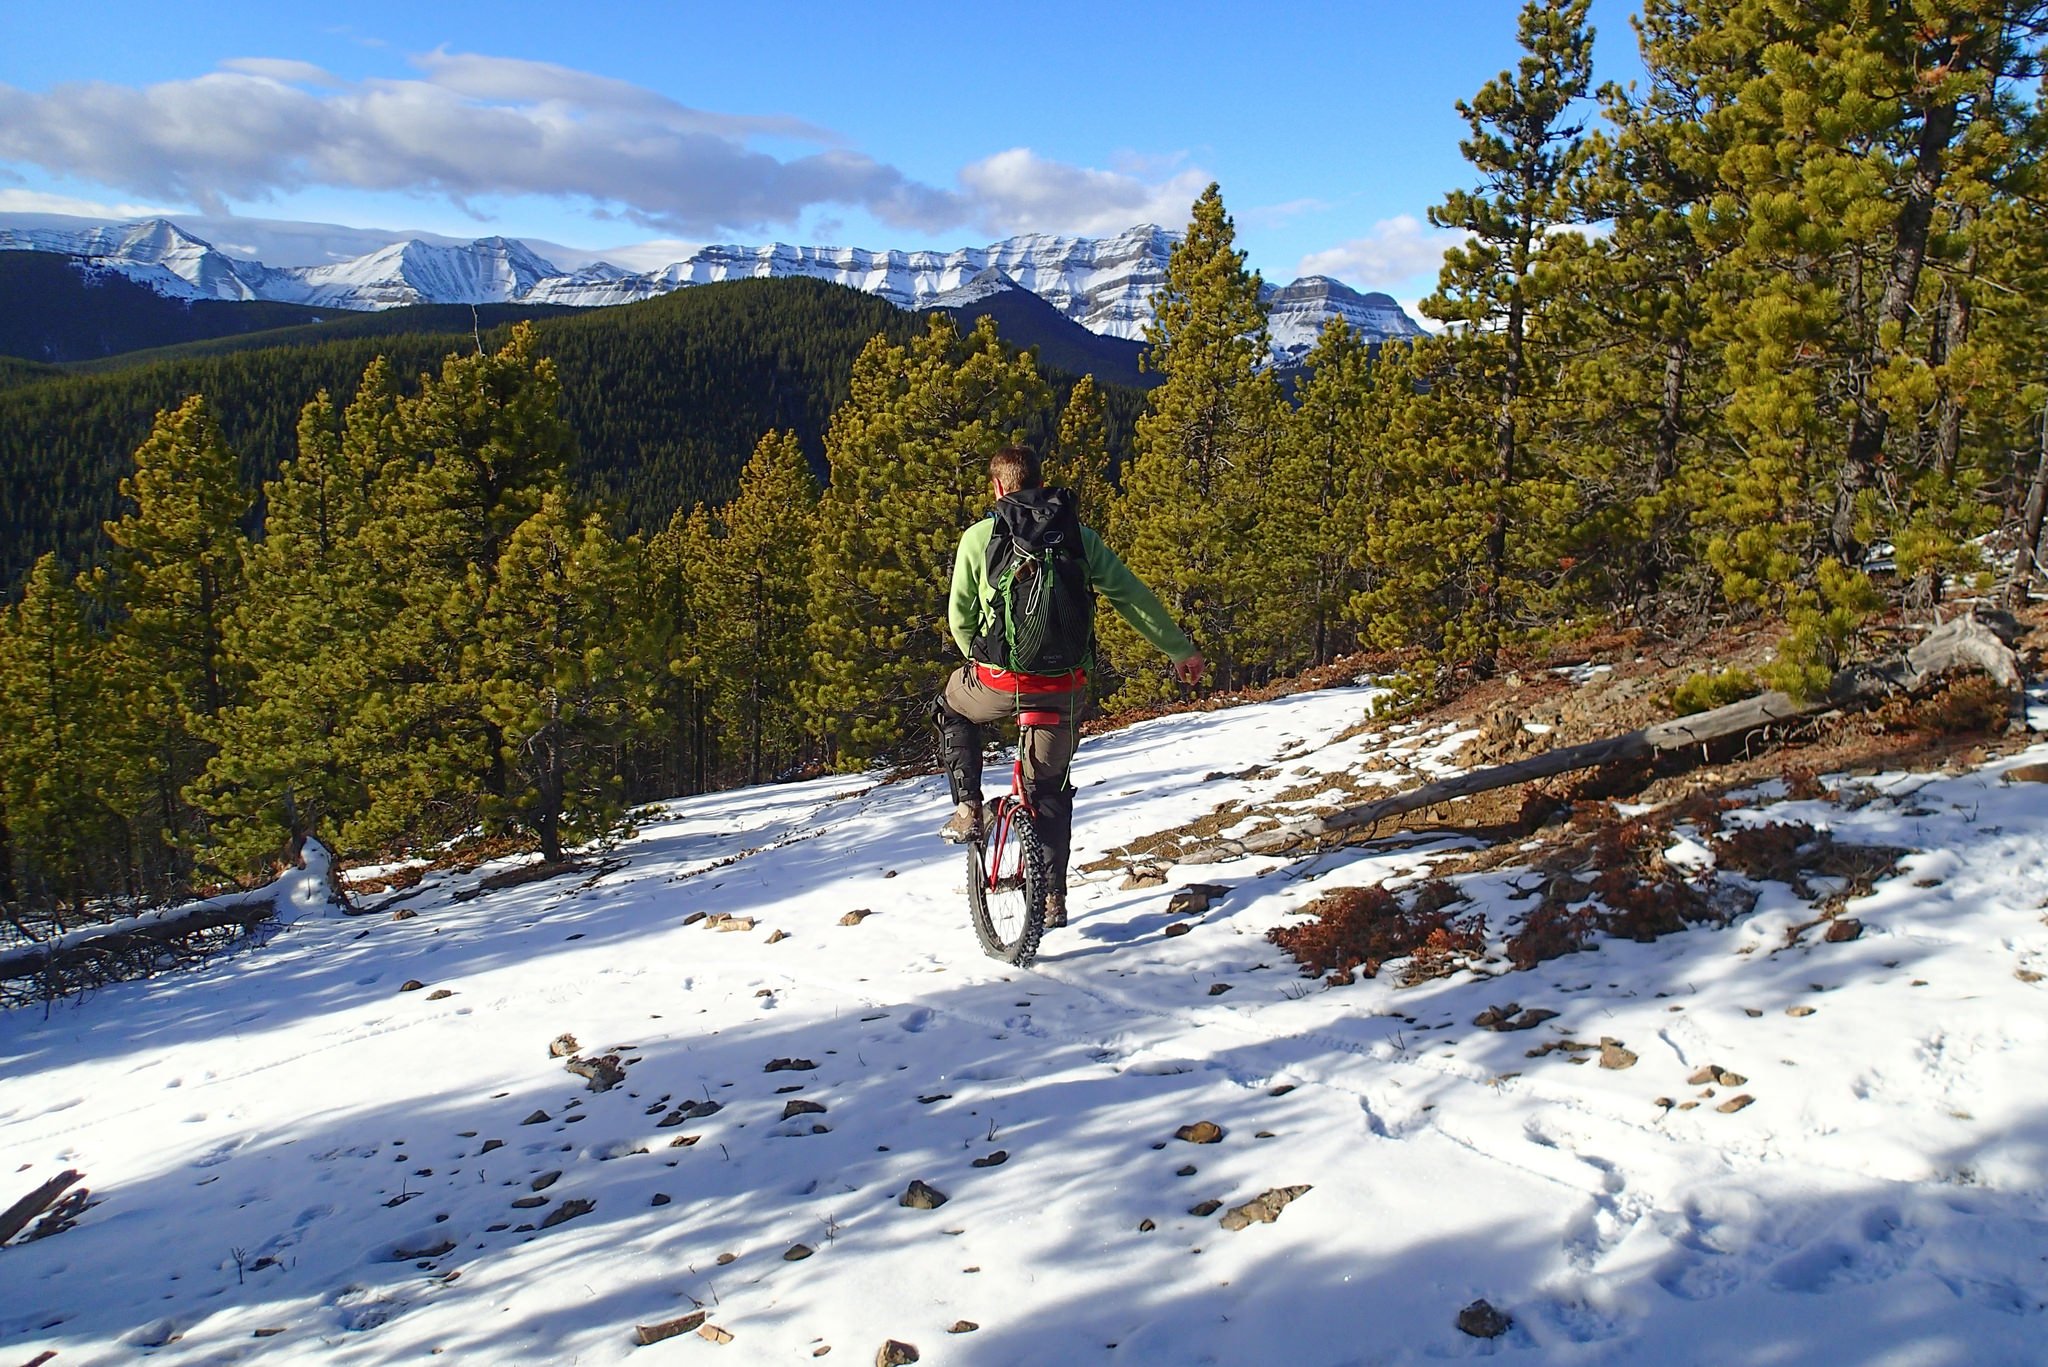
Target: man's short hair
x,y
1017,467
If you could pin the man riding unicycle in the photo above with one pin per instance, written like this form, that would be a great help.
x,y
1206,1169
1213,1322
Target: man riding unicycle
x,y
1022,611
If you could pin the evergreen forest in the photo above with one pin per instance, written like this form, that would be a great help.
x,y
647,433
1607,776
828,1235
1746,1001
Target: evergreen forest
x,y
1761,341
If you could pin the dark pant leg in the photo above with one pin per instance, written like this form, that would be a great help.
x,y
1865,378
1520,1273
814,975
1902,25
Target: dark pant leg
x,y
960,733
1048,767
965,702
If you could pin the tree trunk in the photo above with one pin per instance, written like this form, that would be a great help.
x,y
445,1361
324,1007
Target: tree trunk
x,y
2028,558
1868,421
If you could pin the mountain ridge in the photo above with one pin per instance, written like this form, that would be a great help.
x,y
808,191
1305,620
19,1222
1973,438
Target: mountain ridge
x,y
1103,284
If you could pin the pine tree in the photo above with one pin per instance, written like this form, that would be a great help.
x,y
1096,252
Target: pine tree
x,y
753,608
674,567
909,456
1310,537
1858,161
1079,458
174,584
563,672
313,607
1196,488
1530,158
61,836
472,455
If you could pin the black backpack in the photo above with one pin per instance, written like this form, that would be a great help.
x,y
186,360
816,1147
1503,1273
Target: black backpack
x,y
1043,610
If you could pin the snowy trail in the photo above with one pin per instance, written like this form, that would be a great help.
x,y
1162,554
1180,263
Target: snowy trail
x,y
288,1142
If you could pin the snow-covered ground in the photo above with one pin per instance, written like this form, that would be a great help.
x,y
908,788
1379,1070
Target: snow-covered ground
x,y
294,1159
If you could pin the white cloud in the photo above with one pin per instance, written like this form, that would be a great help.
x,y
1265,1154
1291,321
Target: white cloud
x,y
16,201
281,69
1397,250
1019,191
471,128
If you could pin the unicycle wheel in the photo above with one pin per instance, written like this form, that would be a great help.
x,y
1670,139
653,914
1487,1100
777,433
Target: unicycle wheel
x,y
1007,878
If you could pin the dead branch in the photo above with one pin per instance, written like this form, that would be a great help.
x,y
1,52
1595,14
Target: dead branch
x,y
1966,643
17,1216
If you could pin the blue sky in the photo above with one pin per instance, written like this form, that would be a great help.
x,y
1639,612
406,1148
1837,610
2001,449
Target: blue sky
x,y
1329,126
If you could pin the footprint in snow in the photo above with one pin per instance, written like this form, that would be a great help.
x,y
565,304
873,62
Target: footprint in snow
x,y
915,1021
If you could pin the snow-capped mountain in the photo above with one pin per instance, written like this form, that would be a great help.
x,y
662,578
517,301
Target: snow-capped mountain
x,y
1297,314
1103,284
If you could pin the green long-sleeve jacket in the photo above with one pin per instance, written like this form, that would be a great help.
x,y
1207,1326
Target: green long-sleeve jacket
x,y
971,606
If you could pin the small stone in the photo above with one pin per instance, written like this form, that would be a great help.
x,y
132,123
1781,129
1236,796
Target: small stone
x,y
920,1196
724,1259
694,917
490,1144
1201,1132
1799,1010
1843,929
993,1160
1482,1321
1664,1103
661,1198
667,1329
546,1180
1734,1104
1265,1134
537,1118
854,918
729,923
563,1046
439,994
1751,1012
890,874
567,1211
789,1065
765,992
714,1333
1141,878
1146,1226
796,1253
529,1202
1687,1105
1263,1209
1281,1090
411,985
404,914
1703,1076
1205,1208
1218,989
2026,975
1728,1079
1177,928
821,1350
1185,1170
895,1353
683,1141
777,937
1612,1055
798,1106
963,1327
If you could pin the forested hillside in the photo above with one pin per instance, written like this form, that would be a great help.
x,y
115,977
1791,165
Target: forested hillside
x,y
62,308
664,398
1755,345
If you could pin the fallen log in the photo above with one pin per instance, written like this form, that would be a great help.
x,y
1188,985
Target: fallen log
x,y
1966,643
145,937
17,1216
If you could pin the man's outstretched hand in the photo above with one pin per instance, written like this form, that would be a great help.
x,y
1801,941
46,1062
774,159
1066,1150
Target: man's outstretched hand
x,y
1189,671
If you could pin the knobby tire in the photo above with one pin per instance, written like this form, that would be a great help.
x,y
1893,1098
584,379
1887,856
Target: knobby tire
x,y
1009,918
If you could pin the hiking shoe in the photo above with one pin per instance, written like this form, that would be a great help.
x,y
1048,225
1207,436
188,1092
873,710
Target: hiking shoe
x,y
964,825
1055,911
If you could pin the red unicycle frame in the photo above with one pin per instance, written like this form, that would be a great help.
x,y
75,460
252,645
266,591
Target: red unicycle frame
x,y
1008,871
